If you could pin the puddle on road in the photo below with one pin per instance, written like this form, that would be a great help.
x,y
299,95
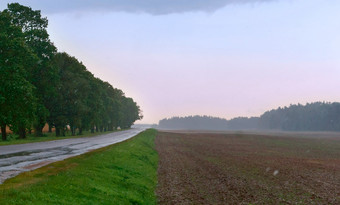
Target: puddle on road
x,y
12,173
17,154
8,174
37,165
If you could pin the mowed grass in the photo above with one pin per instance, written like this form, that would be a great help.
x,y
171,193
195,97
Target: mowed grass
x,y
124,173
14,139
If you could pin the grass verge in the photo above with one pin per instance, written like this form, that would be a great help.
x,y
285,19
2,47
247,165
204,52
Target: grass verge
x,y
124,173
14,139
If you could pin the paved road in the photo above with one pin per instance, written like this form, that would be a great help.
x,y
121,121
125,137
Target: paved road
x,y
15,159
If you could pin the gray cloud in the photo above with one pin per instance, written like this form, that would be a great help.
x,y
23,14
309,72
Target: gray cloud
x,y
154,7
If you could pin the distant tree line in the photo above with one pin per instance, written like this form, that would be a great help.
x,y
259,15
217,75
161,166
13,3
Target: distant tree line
x,y
38,85
318,116
193,123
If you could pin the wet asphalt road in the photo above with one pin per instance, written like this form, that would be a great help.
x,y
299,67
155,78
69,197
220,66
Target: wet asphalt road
x,y
15,159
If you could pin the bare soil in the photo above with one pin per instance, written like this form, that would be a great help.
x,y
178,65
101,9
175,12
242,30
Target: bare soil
x,y
220,168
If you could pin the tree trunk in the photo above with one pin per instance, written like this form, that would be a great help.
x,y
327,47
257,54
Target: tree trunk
x,y
3,132
39,126
73,131
38,132
49,128
63,130
57,131
22,132
80,131
97,129
92,129
110,127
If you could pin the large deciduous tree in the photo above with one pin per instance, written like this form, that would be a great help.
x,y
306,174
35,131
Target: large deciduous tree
x,y
130,112
42,75
17,101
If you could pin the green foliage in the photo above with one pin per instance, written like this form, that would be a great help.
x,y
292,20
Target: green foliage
x,y
86,102
125,173
18,102
131,112
41,75
39,85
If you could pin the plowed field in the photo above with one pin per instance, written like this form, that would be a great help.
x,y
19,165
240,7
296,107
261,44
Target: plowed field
x,y
217,168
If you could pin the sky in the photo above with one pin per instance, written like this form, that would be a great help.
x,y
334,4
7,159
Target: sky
x,y
223,58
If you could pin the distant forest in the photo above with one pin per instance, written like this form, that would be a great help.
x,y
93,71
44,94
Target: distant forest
x,y
318,116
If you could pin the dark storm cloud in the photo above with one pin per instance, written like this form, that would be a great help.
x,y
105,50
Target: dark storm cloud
x,y
155,7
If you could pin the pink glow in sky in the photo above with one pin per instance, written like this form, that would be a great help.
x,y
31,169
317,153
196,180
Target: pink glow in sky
x,y
229,60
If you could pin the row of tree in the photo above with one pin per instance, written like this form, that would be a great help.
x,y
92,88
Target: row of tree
x,y
40,85
318,116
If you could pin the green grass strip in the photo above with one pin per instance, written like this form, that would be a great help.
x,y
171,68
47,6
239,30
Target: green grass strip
x,y
124,173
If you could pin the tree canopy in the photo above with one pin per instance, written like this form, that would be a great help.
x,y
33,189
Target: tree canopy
x,y
40,85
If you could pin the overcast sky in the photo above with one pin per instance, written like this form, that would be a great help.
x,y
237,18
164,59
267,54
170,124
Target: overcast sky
x,y
223,58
